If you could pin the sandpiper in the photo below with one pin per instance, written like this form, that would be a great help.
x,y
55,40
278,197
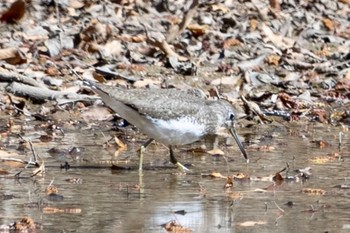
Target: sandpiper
x,y
170,116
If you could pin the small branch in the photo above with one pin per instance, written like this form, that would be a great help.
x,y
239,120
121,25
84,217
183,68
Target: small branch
x,y
177,29
44,94
34,154
158,40
11,76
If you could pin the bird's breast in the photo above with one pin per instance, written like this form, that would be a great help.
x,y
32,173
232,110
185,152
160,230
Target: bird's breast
x,y
179,131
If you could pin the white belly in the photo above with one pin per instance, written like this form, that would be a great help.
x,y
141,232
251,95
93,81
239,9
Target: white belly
x,y
177,131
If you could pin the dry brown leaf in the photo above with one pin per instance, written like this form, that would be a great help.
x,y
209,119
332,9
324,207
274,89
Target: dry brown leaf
x,y
52,71
313,191
288,101
15,13
76,4
175,227
275,4
223,80
322,143
253,24
252,223
197,30
220,7
111,49
325,51
229,182
279,40
241,176
329,24
51,190
320,114
215,151
322,159
121,144
46,138
278,179
217,175
138,38
54,210
231,42
266,148
24,225
273,59
12,56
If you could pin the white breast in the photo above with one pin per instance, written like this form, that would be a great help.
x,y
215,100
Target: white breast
x,y
180,131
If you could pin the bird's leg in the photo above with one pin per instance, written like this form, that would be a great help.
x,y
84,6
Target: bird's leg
x,y
174,161
216,142
142,150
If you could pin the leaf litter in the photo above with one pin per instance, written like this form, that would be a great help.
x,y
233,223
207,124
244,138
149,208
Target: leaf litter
x,y
284,68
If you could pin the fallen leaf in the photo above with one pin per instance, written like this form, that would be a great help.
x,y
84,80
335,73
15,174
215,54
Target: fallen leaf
x,y
231,42
217,175
266,148
26,224
329,24
197,30
322,159
15,13
229,182
275,4
220,7
215,151
51,190
54,210
175,227
278,179
313,191
121,144
252,223
273,59
253,24
241,177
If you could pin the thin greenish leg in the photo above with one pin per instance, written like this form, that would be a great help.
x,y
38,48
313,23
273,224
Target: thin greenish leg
x,y
174,161
141,152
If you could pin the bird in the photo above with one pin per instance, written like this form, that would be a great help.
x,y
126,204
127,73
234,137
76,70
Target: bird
x,y
170,116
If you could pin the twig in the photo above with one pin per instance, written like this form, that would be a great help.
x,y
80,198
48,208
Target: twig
x,y
280,209
11,76
177,29
158,40
59,22
44,94
34,154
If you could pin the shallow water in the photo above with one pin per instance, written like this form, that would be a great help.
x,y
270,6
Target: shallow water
x,y
110,201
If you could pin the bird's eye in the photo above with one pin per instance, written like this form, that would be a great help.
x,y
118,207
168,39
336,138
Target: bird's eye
x,y
231,116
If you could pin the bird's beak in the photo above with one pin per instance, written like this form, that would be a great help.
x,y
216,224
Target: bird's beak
x,y
239,143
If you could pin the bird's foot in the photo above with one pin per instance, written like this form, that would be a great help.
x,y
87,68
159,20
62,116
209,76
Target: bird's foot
x,y
182,167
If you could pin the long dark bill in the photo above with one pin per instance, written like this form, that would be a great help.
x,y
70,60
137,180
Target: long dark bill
x,y
239,143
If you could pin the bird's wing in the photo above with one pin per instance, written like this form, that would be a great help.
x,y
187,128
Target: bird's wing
x,y
159,103
123,110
